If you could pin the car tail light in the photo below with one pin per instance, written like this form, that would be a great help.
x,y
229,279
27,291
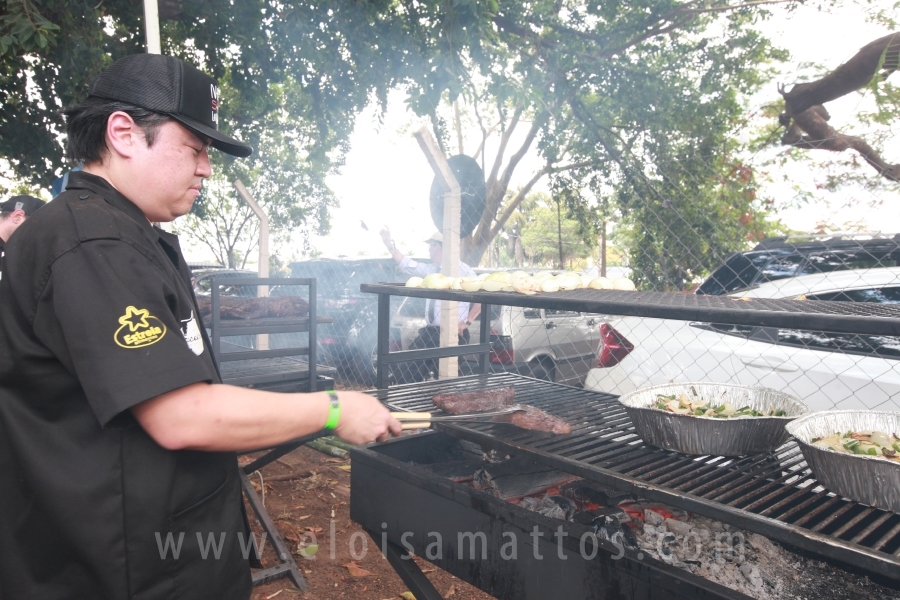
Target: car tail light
x,y
615,346
501,349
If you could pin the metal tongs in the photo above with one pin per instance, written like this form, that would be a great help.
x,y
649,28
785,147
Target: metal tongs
x,y
422,420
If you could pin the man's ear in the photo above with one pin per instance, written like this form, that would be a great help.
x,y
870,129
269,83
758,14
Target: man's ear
x,y
123,136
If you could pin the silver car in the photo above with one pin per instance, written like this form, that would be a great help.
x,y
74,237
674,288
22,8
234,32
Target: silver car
x,y
554,345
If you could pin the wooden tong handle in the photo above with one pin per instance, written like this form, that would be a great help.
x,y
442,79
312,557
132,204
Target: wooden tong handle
x,y
415,425
412,416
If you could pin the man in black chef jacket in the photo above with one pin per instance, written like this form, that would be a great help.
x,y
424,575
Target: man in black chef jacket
x,y
118,477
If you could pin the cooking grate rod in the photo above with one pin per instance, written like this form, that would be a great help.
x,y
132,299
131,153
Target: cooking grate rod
x,y
853,522
776,483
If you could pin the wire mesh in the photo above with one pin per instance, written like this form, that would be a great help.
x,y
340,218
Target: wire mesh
x,y
672,234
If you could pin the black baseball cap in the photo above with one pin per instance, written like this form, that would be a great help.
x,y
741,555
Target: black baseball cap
x,y
167,85
29,204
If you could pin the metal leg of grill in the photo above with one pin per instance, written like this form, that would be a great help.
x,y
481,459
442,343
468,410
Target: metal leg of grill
x,y
287,568
409,572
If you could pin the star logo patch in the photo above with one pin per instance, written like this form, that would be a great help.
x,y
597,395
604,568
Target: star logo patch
x,y
138,329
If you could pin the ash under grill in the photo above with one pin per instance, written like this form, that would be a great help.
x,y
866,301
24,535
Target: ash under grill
x,y
773,494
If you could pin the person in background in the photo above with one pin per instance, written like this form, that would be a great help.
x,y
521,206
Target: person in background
x,y
13,213
118,473
430,335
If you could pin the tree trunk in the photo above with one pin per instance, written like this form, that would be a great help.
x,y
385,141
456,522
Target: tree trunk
x,y
603,249
883,53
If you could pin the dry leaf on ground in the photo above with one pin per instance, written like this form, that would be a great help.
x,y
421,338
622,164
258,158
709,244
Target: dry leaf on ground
x,y
357,571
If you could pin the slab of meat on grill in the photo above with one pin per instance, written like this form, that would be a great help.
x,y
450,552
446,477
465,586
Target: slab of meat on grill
x,y
538,420
530,417
472,402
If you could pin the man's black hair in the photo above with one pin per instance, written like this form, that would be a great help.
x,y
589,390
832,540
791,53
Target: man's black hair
x,y
86,127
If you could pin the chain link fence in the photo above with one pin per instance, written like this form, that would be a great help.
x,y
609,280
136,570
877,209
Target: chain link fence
x,y
672,233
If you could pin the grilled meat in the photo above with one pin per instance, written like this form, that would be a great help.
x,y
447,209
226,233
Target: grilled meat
x,y
470,402
538,420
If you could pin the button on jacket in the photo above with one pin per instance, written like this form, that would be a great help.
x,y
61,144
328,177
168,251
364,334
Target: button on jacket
x,y
97,315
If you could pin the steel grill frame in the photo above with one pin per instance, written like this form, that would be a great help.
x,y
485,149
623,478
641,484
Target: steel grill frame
x,y
816,315
773,494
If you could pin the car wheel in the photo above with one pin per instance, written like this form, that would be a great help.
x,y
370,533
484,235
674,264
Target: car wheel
x,y
543,369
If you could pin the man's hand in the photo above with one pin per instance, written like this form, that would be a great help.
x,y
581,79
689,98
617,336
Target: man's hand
x,y
386,237
364,419
461,326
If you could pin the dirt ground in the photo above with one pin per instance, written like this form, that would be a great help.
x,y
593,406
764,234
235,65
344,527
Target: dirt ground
x,y
303,507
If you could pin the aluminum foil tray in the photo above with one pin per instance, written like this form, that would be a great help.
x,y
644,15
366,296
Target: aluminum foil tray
x,y
871,481
706,435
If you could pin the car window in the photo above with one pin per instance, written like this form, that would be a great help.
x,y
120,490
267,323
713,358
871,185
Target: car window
x,y
203,284
550,313
412,307
532,313
878,345
884,346
885,295
737,273
824,262
781,267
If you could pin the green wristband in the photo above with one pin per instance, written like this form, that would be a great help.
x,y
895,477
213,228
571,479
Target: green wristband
x,y
334,413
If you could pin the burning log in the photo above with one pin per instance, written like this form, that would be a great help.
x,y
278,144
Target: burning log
x,y
517,478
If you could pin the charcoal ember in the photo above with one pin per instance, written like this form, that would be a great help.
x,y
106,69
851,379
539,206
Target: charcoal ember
x,y
555,507
587,517
483,481
612,527
535,419
480,401
235,309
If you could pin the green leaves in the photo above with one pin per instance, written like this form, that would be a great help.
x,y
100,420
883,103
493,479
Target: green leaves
x,y
24,29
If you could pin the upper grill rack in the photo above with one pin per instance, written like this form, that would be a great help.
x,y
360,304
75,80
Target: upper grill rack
x,y
773,494
817,315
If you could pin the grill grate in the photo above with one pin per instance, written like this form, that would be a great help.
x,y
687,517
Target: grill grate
x,y
772,494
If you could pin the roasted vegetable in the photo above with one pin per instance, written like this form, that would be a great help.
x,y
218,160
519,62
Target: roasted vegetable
x,y
685,405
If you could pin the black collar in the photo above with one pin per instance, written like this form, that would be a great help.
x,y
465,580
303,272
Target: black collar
x,y
79,180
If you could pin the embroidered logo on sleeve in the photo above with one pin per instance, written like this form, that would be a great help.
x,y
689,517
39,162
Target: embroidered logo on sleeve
x,y
192,335
139,328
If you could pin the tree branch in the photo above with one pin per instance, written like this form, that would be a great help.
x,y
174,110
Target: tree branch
x,y
811,131
520,195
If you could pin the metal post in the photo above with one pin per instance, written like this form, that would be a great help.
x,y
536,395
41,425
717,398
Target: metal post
x,y
262,291
448,367
216,333
484,336
313,337
384,346
151,23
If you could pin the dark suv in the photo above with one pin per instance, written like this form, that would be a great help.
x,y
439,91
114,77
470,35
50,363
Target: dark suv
x,y
783,257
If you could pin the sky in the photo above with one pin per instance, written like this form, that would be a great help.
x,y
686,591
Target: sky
x,y
385,180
